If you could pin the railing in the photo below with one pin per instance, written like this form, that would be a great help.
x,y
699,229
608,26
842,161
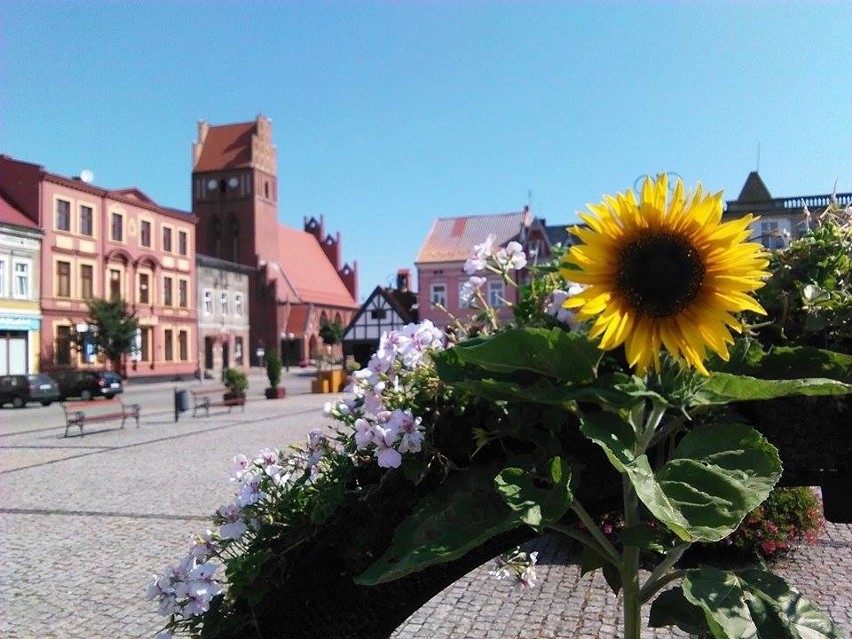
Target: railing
x,y
813,202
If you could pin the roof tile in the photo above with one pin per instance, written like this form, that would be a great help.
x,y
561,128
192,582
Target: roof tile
x,y
451,239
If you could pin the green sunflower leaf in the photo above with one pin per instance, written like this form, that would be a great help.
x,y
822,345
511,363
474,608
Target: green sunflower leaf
x,y
717,475
724,388
553,353
538,499
464,512
754,603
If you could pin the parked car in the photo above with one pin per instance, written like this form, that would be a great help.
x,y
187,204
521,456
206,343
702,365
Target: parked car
x,y
20,389
88,384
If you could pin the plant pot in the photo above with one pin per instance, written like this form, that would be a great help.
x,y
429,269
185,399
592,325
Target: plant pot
x,y
277,392
335,378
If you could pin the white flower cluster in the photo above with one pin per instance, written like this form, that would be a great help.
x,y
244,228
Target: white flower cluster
x,y
389,432
555,305
186,589
487,256
517,565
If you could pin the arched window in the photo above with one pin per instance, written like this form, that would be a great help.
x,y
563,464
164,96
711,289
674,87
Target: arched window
x,y
214,243
234,236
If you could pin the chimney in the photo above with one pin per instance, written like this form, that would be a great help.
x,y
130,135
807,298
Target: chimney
x,y
402,277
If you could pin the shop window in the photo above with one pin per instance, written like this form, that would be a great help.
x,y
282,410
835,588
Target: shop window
x,y
62,352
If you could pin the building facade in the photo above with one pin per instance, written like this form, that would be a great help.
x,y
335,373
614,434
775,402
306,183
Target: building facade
x,y
223,315
20,312
386,309
781,219
299,282
109,244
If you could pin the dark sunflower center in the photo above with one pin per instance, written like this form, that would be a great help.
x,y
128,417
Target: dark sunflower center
x,y
659,274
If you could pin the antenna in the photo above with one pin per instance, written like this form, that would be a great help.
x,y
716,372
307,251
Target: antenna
x,y
87,176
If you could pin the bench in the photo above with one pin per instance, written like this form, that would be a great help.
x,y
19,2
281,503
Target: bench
x,y
205,398
78,414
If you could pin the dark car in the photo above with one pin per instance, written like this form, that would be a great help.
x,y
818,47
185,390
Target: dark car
x,y
20,389
88,384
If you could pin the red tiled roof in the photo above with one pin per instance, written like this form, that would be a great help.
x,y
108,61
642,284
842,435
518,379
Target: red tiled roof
x,y
451,239
10,214
226,147
308,271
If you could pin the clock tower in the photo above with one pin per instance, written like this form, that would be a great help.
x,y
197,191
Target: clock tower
x,y
235,191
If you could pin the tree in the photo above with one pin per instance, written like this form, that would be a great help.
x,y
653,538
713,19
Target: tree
x,y
114,327
331,333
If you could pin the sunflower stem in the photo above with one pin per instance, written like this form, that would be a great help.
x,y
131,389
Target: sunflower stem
x,y
602,543
630,567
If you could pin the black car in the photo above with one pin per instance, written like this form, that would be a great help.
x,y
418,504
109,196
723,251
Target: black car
x,y
88,384
20,389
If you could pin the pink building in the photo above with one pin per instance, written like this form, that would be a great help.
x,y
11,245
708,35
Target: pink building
x,y
440,261
119,244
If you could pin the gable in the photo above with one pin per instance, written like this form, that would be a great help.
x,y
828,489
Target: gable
x,y
379,314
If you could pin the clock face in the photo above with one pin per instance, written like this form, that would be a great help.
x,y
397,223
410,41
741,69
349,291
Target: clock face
x,y
211,184
234,182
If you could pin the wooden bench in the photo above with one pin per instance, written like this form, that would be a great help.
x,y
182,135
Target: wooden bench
x,y
81,413
204,398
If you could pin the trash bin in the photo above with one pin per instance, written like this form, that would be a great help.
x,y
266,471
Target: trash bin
x,y
181,402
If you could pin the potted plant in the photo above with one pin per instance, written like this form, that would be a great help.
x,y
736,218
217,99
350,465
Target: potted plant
x,y
273,373
236,382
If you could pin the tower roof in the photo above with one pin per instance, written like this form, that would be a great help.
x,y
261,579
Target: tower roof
x,y
754,190
226,147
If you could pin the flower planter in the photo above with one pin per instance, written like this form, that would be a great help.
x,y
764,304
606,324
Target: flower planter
x,y
279,392
332,381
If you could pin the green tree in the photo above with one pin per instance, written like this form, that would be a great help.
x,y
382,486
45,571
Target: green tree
x,y
273,368
115,327
331,333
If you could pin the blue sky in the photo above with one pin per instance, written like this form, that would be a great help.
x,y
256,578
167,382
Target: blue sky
x,y
387,115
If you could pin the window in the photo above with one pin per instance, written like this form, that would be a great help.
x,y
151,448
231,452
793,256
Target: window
x,y
144,288
86,220
378,313
2,277
63,279
167,291
770,235
439,294
238,304
223,303
62,351
183,345
63,215
117,227
183,293
145,344
238,351
87,281
495,294
168,346
208,302
114,284
182,242
145,233
167,239
22,280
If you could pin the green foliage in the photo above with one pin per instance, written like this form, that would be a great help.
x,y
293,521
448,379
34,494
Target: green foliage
x,y
809,296
273,367
116,327
331,333
745,603
789,516
235,380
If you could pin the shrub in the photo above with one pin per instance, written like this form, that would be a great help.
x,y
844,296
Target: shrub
x,y
236,381
788,517
273,368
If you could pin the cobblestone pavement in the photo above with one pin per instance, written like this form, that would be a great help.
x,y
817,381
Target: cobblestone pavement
x,y
84,522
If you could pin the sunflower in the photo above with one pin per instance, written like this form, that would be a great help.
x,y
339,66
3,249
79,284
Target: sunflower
x,y
664,272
